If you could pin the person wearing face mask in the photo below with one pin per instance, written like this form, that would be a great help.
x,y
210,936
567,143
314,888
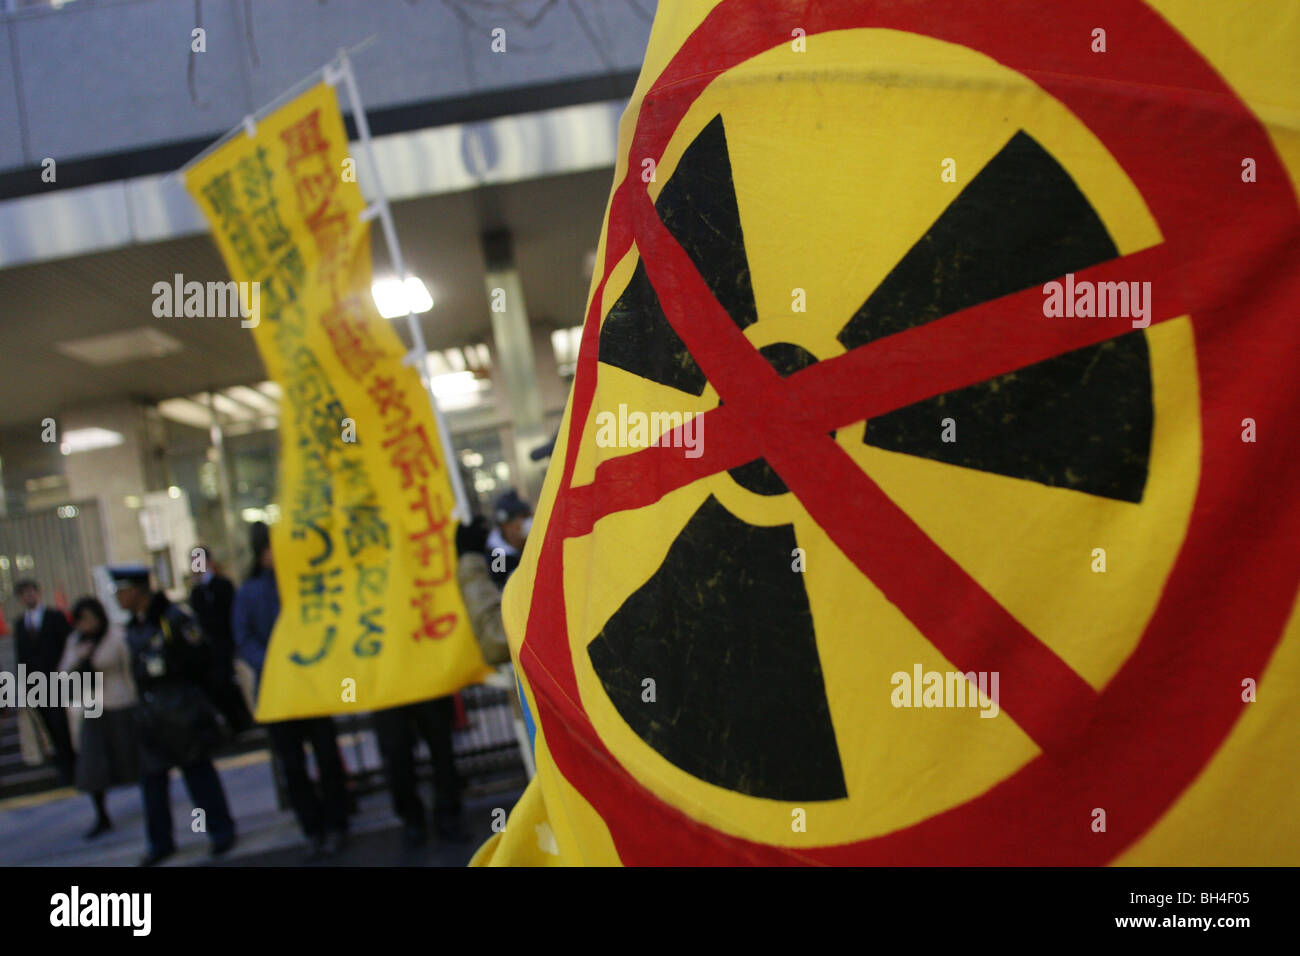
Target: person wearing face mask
x,y
514,519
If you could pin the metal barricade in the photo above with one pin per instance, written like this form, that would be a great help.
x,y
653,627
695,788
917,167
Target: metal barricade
x,y
486,749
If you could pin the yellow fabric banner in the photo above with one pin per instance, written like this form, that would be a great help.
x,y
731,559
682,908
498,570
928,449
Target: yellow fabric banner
x,y
371,615
980,551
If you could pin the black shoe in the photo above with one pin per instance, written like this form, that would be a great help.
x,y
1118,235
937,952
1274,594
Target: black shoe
x,y
447,823
101,827
414,835
315,848
452,831
154,857
334,843
222,847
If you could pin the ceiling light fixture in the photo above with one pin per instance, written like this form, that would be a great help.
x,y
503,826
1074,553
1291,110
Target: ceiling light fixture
x,y
394,299
454,384
89,439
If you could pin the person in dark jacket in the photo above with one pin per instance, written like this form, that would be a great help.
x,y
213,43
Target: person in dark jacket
x,y
212,599
39,635
398,728
322,814
178,724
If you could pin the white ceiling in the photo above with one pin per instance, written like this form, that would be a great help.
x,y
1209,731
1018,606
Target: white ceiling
x,y
555,223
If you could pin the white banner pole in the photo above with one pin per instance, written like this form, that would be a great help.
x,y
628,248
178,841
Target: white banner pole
x,y
418,356
249,125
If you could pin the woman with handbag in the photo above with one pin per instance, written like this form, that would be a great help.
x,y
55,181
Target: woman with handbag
x,y
108,751
178,723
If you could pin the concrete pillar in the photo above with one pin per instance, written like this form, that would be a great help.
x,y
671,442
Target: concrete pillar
x,y
514,365
554,390
112,475
236,546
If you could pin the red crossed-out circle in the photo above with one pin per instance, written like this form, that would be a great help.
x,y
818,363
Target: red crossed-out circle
x,y
1227,259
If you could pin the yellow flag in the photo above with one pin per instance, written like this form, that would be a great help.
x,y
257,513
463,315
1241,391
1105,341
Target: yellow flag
x,y
973,540
371,614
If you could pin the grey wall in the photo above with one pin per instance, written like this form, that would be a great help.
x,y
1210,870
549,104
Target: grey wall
x,y
105,76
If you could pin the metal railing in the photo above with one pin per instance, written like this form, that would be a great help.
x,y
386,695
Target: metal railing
x,y
486,749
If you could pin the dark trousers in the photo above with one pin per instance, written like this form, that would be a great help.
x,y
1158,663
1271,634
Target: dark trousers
x,y
317,811
229,699
397,729
206,792
55,720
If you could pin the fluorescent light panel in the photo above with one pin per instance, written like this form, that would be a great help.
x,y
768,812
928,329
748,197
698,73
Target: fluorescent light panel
x,y
454,385
253,399
394,299
116,348
185,412
89,439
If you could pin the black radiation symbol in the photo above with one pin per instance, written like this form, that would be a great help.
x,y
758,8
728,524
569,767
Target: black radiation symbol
x,y
724,626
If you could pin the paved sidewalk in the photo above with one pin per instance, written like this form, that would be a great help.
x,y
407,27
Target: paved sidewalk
x,y
47,829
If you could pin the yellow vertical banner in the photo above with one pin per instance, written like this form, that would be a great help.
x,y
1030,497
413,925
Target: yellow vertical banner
x,y
371,615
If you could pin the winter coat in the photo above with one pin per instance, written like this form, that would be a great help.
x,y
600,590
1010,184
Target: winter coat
x,y
170,662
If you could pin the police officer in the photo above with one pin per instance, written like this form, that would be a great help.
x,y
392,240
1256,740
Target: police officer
x,y
178,724
505,543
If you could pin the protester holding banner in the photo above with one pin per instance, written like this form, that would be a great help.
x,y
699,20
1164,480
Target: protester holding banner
x,y
323,814
398,728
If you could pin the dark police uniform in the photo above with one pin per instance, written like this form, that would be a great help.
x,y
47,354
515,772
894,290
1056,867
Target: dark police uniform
x,y
178,724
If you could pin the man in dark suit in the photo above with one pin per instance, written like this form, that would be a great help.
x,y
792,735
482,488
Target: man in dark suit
x,y
212,600
39,635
